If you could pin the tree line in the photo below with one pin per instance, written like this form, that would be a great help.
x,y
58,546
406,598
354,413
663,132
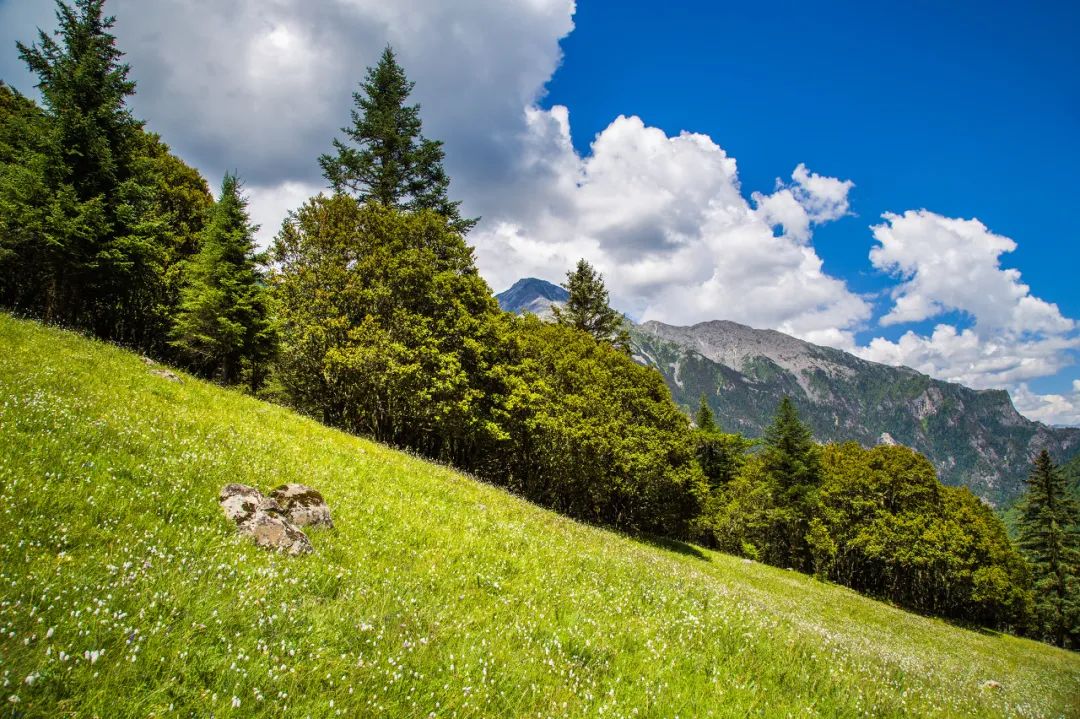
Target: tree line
x,y
368,313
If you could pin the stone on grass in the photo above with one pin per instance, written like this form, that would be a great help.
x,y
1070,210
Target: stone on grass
x,y
304,506
271,531
166,374
262,519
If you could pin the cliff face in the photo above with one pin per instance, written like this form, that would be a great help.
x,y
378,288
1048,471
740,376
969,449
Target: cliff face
x,y
974,438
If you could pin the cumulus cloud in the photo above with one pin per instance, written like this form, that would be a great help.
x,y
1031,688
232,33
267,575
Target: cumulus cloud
x,y
810,198
665,220
1053,409
953,265
262,86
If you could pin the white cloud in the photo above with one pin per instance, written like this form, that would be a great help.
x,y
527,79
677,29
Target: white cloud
x,y
262,86
665,220
268,205
954,265
1059,409
949,264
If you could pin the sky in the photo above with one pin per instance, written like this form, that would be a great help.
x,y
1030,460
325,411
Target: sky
x,y
891,179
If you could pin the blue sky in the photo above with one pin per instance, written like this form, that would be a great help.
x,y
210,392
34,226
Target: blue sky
x,y
966,109
562,127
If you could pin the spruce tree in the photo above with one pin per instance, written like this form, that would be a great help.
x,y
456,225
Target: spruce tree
x,y
704,417
587,308
791,460
1049,523
384,157
97,239
224,317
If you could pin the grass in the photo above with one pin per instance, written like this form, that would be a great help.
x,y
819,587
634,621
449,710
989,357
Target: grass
x,y
124,592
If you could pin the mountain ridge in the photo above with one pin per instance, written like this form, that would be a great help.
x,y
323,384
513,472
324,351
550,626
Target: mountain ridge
x,y
973,437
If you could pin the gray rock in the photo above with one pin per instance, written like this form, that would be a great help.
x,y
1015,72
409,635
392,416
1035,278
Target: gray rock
x,y
304,506
262,519
271,531
166,374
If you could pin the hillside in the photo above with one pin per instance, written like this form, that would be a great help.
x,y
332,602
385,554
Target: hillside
x,y
126,593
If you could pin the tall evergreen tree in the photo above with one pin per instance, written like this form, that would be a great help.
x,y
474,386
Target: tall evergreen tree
x,y
97,235
791,460
704,417
384,157
588,308
224,318
1048,534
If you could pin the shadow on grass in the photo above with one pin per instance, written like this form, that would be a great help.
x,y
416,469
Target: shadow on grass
x,y
672,545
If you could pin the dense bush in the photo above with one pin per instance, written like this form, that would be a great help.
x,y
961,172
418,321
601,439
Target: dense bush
x,y
879,521
387,328
902,535
595,435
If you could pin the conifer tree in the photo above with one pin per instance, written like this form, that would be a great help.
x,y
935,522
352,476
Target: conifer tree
x,y
384,157
1049,522
791,460
224,317
704,417
587,308
96,234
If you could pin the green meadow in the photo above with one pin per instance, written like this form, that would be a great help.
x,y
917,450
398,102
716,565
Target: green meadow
x,y
124,592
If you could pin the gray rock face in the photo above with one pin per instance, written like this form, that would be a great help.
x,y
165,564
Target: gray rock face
x,y
263,519
304,506
973,437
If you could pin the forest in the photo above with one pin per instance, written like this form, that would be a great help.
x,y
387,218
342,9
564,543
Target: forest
x,y
367,312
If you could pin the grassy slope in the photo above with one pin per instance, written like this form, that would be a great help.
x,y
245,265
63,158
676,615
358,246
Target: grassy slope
x,y
435,596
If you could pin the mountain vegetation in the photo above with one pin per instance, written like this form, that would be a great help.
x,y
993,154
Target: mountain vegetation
x,y
126,592
223,315
973,438
369,315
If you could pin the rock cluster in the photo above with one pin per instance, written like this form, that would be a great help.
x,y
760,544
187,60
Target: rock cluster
x,y
274,521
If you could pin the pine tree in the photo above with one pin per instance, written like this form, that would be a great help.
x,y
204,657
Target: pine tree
x,y
1049,522
704,418
98,235
384,157
224,317
587,308
791,460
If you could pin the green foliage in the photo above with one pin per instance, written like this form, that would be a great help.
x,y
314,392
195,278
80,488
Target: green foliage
x,y
880,523
1049,525
224,316
719,454
387,328
703,418
384,157
790,461
595,435
97,215
902,535
588,308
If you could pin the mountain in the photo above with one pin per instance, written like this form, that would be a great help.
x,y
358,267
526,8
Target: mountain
x,y
532,295
973,437
126,592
